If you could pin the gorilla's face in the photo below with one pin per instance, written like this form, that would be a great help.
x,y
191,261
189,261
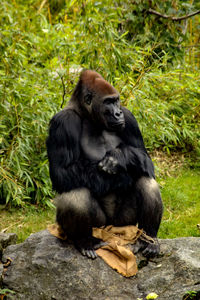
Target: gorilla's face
x,y
112,113
105,111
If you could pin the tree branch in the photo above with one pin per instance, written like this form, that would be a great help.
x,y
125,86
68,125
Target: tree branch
x,y
64,91
154,12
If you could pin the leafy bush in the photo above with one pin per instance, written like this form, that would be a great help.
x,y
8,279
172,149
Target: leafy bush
x,y
38,68
167,107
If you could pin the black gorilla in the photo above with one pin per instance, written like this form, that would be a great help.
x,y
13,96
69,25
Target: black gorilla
x,y
100,167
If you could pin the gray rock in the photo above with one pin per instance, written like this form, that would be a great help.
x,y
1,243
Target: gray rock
x,y
1,274
1,251
7,239
46,268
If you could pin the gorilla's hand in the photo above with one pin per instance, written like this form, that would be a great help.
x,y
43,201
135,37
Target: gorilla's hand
x,y
109,164
113,162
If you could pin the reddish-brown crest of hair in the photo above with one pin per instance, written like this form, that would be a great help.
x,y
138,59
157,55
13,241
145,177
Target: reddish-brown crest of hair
x,y
95,82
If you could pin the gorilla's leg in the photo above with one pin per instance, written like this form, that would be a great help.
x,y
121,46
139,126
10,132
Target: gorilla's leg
x,y
141,205
150,208
77,213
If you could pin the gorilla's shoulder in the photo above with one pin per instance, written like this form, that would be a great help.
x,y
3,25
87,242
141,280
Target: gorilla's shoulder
x,y
67,115
129,117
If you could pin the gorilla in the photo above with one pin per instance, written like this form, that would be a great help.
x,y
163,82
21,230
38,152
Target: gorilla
x,y
100,168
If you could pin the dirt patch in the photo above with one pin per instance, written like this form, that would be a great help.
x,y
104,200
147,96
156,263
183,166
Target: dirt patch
x,y
167,165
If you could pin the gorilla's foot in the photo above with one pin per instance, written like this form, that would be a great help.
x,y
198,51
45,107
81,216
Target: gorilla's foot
x,y
88,245
152,250
147,249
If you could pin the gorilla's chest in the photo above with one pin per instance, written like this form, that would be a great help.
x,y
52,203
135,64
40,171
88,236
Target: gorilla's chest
x,y
96,144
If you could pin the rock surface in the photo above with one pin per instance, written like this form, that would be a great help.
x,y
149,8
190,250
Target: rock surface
x,y
7,239
46,268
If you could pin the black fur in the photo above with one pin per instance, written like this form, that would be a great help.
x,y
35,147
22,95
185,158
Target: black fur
x,y
67,161
116,165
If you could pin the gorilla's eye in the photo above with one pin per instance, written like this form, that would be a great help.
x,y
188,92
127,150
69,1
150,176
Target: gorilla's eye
x,y
108,101
111,100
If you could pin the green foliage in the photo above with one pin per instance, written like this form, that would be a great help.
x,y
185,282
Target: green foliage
x,y
191,295
6,293
43,44
168,110
163,35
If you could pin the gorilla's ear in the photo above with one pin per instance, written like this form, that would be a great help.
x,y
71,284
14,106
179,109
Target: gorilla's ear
x,y
88,98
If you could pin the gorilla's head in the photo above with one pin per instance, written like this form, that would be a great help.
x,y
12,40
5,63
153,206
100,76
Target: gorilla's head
x,y
99,100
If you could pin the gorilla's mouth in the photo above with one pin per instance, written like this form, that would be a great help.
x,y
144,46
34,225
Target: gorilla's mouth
x,y
116,126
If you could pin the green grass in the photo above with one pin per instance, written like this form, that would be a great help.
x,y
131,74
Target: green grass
x,y
180,193
26,221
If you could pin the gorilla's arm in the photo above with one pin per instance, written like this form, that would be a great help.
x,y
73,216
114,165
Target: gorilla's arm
x,y
131,154
135,156
63,150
